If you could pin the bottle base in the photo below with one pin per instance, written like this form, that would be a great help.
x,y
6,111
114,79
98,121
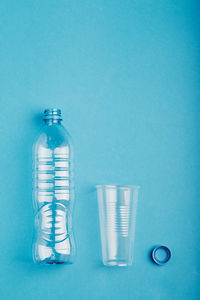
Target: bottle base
x,y
52,262
46,255
54,259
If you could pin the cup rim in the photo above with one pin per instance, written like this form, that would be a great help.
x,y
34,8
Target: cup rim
x,y
116,186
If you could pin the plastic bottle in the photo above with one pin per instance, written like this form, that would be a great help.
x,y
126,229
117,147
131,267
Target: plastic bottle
x,y
53,193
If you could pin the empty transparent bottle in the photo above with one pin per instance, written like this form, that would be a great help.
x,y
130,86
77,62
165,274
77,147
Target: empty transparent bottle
x,y
53,193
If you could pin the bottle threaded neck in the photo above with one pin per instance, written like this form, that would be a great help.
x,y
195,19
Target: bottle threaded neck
x,y
53,114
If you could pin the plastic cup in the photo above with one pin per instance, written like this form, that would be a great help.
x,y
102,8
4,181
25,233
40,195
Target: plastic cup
x,y
117,216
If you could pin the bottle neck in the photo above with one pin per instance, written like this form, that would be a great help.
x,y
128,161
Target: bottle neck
x,y
52,116
51,121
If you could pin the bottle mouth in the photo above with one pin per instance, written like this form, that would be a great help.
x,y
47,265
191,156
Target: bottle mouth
x,y
52,113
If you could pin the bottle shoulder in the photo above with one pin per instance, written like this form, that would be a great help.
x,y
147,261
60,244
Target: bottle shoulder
x,y
53,136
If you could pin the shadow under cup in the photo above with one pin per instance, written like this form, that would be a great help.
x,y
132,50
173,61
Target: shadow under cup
x,y
117,215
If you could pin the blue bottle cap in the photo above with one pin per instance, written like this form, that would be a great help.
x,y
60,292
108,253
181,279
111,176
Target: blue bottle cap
x,y
161,255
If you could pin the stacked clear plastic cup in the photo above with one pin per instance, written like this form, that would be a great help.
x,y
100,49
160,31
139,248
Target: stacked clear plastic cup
x,y
117,215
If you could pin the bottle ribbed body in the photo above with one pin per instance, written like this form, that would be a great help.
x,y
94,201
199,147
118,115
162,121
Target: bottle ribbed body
x,y
53,194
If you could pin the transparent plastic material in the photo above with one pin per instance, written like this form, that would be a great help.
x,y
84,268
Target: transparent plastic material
x,y
53,193
117,215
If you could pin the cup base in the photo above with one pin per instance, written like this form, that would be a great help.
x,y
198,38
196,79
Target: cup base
x,y
116,263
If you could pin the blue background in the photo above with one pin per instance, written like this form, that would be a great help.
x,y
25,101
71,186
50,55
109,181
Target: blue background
x,y
126,75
